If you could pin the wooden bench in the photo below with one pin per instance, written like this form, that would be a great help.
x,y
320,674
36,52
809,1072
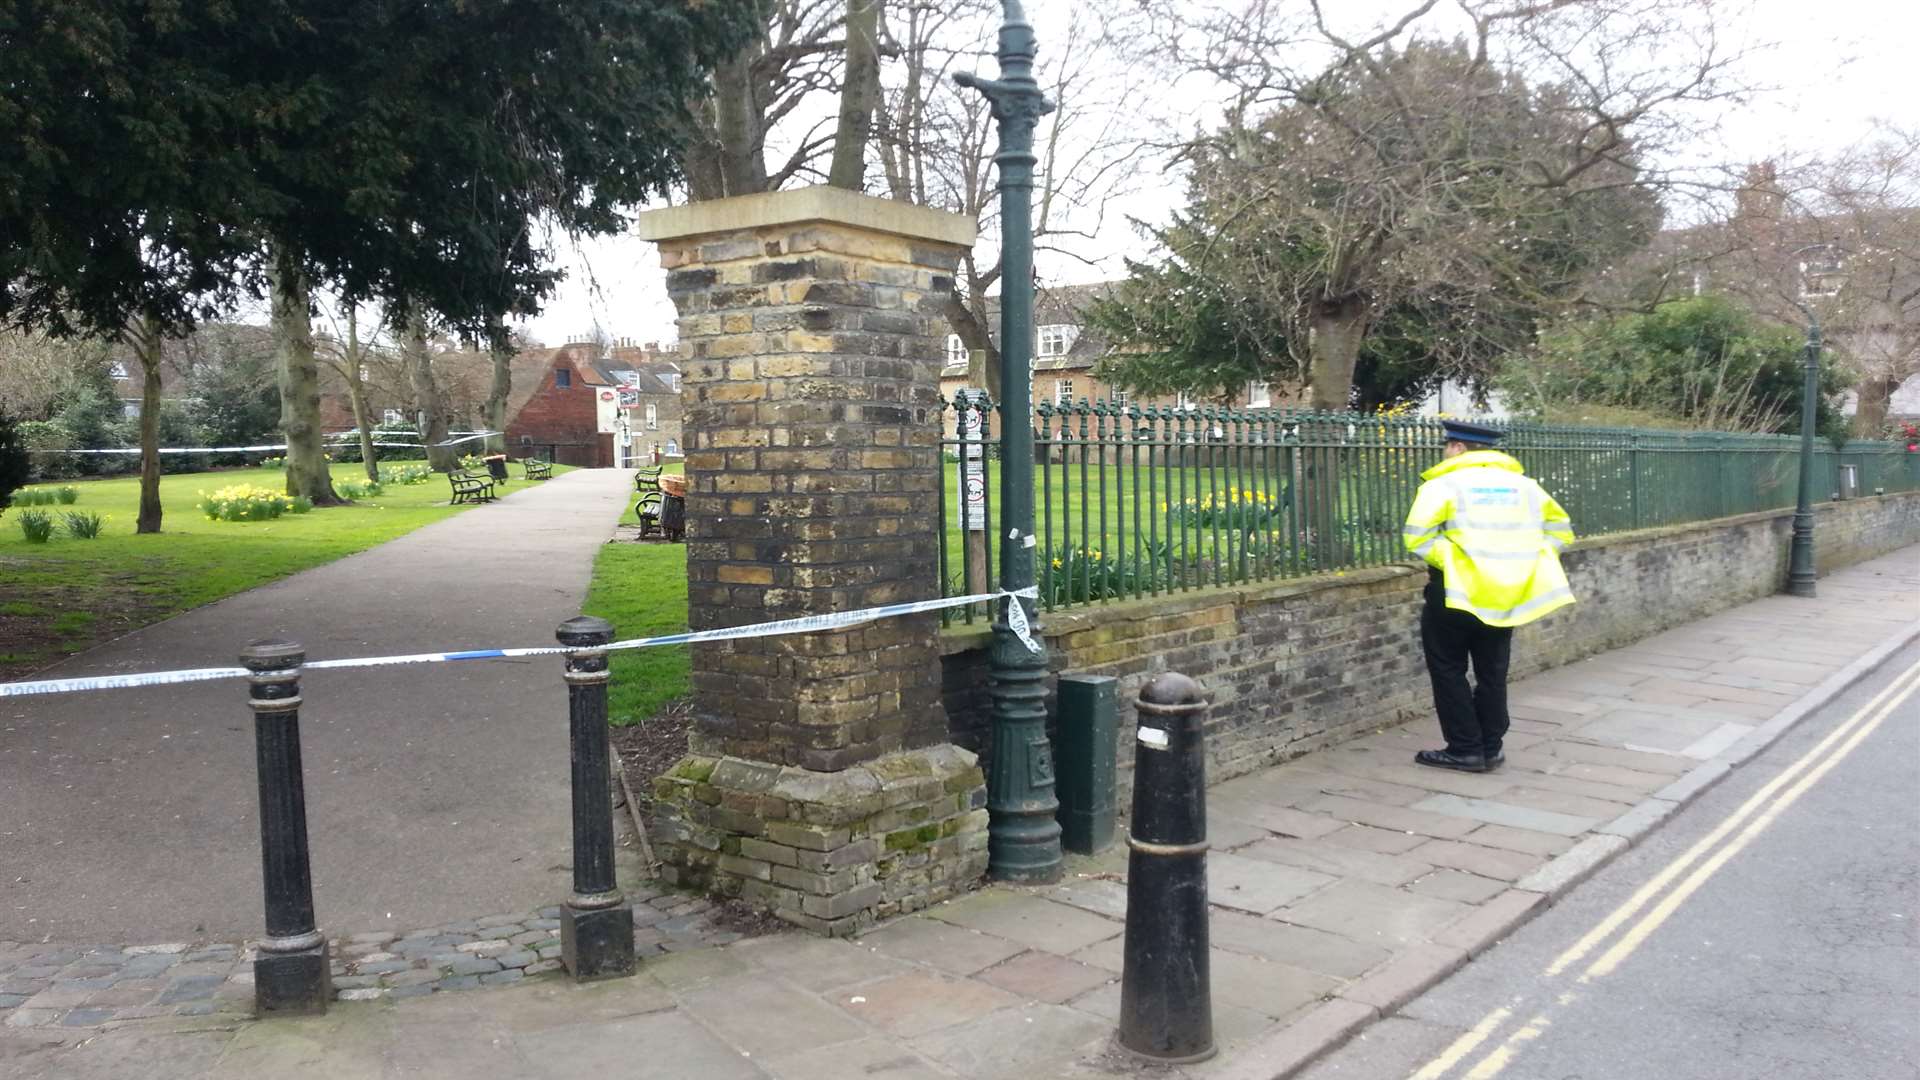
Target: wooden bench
x,y
646,478
468,487
538,469
647,510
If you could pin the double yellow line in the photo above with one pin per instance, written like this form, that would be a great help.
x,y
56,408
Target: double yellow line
x,y
1710,853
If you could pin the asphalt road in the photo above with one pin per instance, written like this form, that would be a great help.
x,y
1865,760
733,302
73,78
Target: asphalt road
x,y
434,793
1786,948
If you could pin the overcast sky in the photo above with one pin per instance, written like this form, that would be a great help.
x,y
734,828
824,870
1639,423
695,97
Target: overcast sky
x,y
1832,66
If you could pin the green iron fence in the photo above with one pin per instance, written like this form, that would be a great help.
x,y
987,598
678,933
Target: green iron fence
x,y
1138,501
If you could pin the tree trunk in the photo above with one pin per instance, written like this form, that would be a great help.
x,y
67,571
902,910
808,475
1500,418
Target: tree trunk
x,y
1876,399
426,396
357,396
146,346
743,163
966,321
859,96
307,469
500,346
1338,328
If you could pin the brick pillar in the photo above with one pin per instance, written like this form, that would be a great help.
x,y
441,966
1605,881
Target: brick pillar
x,y
819,781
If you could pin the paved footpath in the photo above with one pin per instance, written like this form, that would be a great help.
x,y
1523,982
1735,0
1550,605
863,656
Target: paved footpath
x,y
1343,884
434,793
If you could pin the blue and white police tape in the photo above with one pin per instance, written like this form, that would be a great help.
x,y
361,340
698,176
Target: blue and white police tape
x,y
332,443
806,624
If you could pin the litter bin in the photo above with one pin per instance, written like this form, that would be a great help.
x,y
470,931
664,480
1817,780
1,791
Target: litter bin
x,y
673,507
496,466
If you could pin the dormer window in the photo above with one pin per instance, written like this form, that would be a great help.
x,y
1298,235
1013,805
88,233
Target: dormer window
x,y
1055,340
956,350
562,377
119,370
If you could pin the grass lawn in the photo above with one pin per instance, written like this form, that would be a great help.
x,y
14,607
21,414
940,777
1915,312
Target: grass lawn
x,y
65,595
642,590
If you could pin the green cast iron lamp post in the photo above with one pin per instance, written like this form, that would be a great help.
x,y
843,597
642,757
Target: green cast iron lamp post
x,y
1023,835
1800,569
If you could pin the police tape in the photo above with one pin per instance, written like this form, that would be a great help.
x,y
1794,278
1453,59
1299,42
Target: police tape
x,y
332,443
805,624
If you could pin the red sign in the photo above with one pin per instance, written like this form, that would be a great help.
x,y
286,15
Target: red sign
x,y
606,395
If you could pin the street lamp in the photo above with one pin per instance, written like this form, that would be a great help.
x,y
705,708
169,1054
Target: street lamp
x,y
1023,834
1800,569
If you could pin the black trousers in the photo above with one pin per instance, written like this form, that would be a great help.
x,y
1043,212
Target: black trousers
x,y
1472,717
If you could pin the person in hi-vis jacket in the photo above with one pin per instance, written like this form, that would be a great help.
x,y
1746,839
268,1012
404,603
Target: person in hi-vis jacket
x,y
1492,538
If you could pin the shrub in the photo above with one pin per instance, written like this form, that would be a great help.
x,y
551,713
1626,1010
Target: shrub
x,y
299,504
67,494
273,463
248,502
356,489
36,526
83,525
34,497
405,474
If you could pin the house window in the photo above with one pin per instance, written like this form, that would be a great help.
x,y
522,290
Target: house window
x,y
956,350
1183,401
130,410
672,447
1117,398
1063,392
1055,340
119,370
392,418
653,417
673,383
626,378
562,377
1259,395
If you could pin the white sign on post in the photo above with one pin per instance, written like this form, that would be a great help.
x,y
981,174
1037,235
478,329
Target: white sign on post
x,y
973,476
973,483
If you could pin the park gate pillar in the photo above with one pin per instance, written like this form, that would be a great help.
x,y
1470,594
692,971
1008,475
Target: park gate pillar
x,y
819,782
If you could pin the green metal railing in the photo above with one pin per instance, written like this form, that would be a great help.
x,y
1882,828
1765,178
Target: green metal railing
x,y
1140,501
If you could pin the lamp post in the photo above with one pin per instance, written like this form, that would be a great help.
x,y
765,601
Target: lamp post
x,y
1023,835
1800,570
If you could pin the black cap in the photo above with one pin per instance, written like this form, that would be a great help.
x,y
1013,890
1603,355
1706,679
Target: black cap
x,y
1471,434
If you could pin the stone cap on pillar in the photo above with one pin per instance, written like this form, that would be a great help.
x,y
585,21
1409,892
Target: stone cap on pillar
x,y
799,206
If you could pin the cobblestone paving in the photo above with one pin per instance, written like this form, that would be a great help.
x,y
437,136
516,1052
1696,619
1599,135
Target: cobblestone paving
x,y
96,986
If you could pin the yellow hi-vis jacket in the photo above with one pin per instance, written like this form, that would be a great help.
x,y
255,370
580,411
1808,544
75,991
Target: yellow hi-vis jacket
x,y
1494,534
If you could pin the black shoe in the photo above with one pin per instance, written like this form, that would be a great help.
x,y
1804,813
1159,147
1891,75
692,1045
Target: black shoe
x,y
1441,759
1495,760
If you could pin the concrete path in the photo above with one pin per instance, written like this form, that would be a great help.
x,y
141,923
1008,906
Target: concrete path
x,y
1343,884
433,793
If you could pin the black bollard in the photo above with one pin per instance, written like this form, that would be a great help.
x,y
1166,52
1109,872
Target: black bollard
x,y
291,974
1166,995
596,924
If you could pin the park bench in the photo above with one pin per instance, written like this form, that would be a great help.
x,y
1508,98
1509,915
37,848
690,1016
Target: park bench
x,y
468,487
646,479
538,469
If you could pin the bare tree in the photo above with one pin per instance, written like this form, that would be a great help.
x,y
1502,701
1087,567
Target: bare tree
x,y
351,355
1397,162
417,354
798,56
1834,238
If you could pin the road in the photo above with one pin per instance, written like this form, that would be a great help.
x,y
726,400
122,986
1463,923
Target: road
x,y
1771,929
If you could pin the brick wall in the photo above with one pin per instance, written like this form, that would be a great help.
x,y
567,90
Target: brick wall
x,y
1300,664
